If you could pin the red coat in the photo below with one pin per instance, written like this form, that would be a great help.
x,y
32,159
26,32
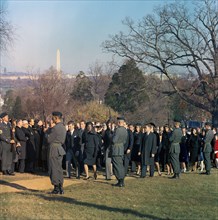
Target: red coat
x,y
216,149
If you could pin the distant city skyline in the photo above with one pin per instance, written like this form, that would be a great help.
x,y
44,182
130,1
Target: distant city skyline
x,y
77,28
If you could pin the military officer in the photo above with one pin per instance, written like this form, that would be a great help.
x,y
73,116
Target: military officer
x,y
5,142
207,147
174,152
55,139
118,143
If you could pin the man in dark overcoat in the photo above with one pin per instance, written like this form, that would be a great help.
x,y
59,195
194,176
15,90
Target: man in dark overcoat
x,y
30,147
128,148
174,152
118,143
207,149
73,149
22,139
148,150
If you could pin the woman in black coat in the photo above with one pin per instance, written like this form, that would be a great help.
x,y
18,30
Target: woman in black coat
x,y
194,147
137,137
91,142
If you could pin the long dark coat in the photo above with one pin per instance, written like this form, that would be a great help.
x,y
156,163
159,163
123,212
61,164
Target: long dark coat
x,y
136,146
21,138
91,143
148,147
5,146
30,144
107,138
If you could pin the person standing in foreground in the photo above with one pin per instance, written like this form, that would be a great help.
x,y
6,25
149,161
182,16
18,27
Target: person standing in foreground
x,y
5,142
55,139
207,149
118,143
175,140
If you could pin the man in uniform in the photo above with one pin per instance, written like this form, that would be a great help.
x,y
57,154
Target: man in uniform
x,y
207,147
174,152
118,143
55,139
5,142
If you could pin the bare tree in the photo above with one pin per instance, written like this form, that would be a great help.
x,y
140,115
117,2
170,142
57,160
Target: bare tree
x,y
6,28
100,80
176,40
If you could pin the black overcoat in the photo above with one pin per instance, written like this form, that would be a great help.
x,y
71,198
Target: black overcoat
x,y
148,147
21,138
30,144
91,143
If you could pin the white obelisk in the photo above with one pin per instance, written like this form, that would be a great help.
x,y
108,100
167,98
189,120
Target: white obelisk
x,y
58,63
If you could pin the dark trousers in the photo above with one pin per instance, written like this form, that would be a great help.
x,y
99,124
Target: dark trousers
x,y
56,171
207,161
107,165
144,168
30,165
126,162
174,159
7,157
21,165
118,167
133,166
70,157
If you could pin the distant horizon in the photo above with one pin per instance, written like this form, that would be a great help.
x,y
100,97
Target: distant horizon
x,y
83,25
76,28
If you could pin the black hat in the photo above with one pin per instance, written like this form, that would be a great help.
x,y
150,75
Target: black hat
x,y
58,114
3,114
152,124
89,123
208,124
176,120
120,118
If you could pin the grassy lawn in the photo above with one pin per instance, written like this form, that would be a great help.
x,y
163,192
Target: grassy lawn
x,y
194,196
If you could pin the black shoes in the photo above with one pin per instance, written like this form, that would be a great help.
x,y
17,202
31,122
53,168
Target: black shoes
x,y
4,172
206,173
120,183
95,176
176,176
7,172
57,190
61,190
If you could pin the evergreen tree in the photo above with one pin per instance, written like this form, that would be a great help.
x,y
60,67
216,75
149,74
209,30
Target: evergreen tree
x,y
126,91
17,111
82,91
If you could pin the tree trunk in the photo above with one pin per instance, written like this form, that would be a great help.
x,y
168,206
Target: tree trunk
x,y
215,118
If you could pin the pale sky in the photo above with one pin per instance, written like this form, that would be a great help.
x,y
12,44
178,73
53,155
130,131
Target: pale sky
x,y
77,28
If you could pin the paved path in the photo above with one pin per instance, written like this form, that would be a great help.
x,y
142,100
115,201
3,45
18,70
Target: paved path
x,y
30,182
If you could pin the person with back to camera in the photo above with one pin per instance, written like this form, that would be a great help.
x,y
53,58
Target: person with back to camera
x,y
56,139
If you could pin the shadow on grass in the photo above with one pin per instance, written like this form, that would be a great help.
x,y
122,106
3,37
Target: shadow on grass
x,y
16,186
68,200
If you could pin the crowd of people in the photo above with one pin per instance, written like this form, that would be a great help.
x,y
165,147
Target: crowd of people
x,y
116,148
